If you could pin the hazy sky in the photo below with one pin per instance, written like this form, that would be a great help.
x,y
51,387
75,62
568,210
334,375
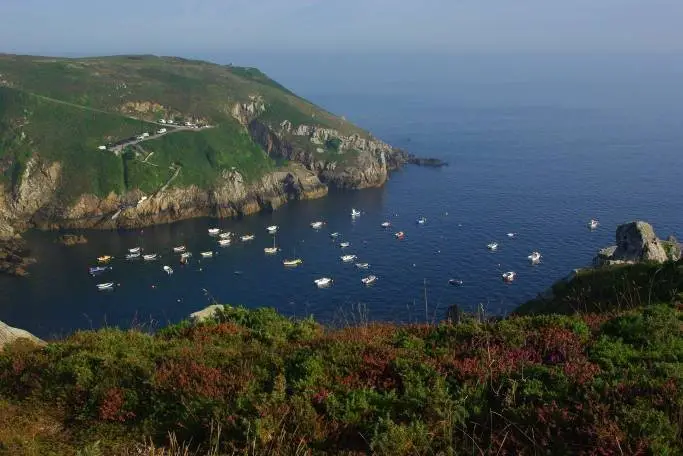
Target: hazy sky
x,y
187,26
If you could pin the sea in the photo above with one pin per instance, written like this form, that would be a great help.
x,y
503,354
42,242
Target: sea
x,y
537,145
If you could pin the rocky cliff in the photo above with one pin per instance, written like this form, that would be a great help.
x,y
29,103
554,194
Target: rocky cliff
x,y
636,242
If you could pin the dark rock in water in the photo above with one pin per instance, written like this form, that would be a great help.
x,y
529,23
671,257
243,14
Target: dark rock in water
x,y
432,162
14,257
72,239
636,242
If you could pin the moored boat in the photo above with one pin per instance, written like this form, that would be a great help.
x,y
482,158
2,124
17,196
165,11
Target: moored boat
x,y
224,242
344,245
186,255
335,235
150,257
386,224
317,225
293,262
355,213
593,224
455,282
247,237
135,250
98,270
363,265
492,246
323,282
421,221
535,257
509,276
105,286
179,249
214,231
104,259
168,270
133,256
207,254
226,235
400,235
512,235
272,229
369,280
348,258
271,250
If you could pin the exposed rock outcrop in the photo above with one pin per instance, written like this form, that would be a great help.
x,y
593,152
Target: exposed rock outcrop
x,y
14,256
636,242
70,240
8,334
205,314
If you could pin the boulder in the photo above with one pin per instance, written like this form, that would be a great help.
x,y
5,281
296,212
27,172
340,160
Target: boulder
x,y
635,242
672,248
206,313
9,334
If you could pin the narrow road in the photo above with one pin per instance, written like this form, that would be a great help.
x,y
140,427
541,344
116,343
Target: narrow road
x,y
117,149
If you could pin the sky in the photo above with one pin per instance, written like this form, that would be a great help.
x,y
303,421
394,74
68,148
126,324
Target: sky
x,y
184,27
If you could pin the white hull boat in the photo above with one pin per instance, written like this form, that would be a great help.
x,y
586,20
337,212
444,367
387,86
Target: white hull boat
x,y
227,235
509,276
186,255
150,257
335,235
317,225
512,235
535,257
344,245
355,213
455,282
272,229
362,265
323,282
179,249
492,246
593,224
369,280
292,263
247,237
207,254
386,224
271,250
421,221
133,256
105,286
224,242
214,231
134,250
168,270
348,258
400,235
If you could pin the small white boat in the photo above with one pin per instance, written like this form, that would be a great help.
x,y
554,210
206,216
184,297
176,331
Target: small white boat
x,y
512,235
348,258
271,250
593,224
535,257
133,256
355,213
344,245
98,270
224,242
509,276
492,246
272,229
363,265
226,235
247,237
317,225
455,282
186,255
294,262
369,280
135,250
421,221
323,282
105,286
335,235
179,249
386,224
150,257
168,270
214,231
400,235
207,254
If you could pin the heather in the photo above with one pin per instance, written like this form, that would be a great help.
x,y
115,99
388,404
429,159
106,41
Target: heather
x,y
255,382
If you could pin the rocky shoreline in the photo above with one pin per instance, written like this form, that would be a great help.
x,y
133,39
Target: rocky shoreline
x,y
14,257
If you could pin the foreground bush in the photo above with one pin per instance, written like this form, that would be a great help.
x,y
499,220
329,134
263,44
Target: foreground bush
x,y
253,382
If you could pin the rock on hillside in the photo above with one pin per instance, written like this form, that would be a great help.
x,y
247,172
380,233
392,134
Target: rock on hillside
x,y
637,242
8,334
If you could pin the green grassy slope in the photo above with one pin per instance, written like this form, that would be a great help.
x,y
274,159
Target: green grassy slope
x,y
62,109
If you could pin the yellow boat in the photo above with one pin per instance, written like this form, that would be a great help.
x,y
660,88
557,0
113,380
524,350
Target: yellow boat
x,y
104,259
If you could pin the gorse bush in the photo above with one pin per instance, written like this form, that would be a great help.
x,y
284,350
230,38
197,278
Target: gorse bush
x,y
272,385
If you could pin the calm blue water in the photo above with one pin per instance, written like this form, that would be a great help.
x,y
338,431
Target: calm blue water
x,y
537,146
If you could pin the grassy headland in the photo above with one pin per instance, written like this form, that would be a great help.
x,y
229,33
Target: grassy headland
x,y
255,382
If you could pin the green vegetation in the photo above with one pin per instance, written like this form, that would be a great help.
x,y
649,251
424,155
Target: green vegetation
x,y
254,382
63,109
